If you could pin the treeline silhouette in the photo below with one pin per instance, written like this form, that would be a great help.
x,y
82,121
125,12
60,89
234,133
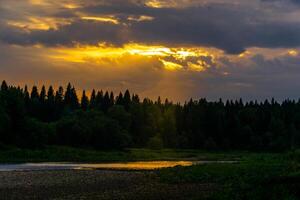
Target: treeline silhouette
x,y
34,119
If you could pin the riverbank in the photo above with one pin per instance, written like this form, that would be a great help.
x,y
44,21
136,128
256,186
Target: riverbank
x,y
68,154
259,177
94,184
255,176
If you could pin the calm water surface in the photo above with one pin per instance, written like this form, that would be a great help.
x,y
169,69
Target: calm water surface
x,y
149,165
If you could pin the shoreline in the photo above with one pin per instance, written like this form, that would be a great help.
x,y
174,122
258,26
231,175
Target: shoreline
x,y
92,184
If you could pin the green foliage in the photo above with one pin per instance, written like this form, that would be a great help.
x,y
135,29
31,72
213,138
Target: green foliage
x,y
36,133
9,154
34,119
155,143
91,128
84,101
259,176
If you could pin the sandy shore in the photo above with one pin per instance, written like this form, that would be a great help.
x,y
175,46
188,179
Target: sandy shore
x,y
93,184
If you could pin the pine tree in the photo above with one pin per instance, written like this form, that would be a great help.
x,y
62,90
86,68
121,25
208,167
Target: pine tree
x,y
99,100
111,99
93,99
106,102
74,99
50,94
26,96
68,95
4,86
59,102
158,101
34,93
59,96
119,99
84,101
43,95
135,99
127,100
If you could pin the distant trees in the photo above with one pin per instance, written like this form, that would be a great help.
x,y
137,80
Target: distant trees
x,y
35,118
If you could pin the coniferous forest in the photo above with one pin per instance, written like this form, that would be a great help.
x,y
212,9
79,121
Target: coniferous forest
x,y
38,117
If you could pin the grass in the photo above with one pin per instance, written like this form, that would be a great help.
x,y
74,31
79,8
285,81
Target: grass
x,y
257,176
68,154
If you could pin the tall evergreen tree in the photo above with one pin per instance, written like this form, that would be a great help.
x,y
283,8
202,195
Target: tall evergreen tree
x,y
34,93
50,95
26,96
4,86
99,100
93,99
111,99
84,101
68,95
59,96
43,95
127,100
120,99
74,99
135,99
106,102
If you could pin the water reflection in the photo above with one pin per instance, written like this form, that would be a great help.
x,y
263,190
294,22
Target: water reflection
x,y
139,165
149,165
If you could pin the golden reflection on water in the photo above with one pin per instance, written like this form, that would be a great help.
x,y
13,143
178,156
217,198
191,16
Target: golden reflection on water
x,y
138,165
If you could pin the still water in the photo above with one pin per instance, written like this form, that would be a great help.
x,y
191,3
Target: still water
x,y
149,165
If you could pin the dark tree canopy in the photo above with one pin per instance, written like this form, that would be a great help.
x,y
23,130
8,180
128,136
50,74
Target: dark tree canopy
x,y
33,119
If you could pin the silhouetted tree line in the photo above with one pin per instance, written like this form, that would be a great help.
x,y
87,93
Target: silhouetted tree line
x,y
36,118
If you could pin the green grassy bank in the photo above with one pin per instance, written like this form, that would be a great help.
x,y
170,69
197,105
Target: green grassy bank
x,y
257,176
68,154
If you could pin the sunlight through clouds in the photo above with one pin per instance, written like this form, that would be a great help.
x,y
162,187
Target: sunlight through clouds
x,y
86,54
203,46
37,23
102,19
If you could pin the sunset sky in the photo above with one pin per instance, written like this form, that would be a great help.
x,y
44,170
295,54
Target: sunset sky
x,y
171,48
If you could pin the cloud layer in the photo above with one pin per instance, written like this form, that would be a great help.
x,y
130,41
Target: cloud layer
x,y
227,25
175,48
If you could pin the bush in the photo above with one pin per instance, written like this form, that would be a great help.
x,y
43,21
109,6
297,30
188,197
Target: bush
x,y
155,143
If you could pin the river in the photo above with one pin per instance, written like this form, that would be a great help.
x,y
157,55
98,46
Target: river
x,y
144,165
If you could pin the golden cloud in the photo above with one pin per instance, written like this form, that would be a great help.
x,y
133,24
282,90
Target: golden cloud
x,y
38,23
109,19
172,59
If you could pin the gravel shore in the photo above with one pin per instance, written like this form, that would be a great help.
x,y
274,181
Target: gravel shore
x,y
93,184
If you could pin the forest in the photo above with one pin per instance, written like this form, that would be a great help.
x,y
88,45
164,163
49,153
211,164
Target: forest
x,y
38,117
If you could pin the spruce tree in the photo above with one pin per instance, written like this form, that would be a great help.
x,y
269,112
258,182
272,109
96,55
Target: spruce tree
x,y
26,96
135,99
68,95
34,93
119,99
59,96
74,99
106,102
93,99
99,99
127,100
43,95
111,99
4,86
50,95
84,101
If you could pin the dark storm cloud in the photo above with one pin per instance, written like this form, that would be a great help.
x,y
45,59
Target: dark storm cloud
x,y
283,1
228,26
81,31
